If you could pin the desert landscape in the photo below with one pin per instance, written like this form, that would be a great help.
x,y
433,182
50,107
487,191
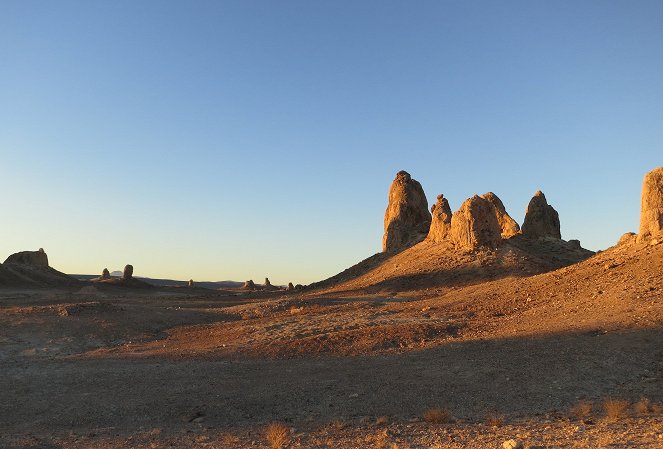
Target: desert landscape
x,y
467,331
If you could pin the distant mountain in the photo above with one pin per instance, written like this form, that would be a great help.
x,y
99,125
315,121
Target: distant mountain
x,y
214,285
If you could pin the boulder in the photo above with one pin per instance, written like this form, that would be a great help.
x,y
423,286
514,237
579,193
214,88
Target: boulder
x,y
128,272
626,238
651,206
249,285
541,219
105,274
33,258
406,220
441,221
475,225
507,224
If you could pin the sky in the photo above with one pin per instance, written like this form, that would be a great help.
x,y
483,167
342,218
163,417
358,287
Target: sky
x,y
219,140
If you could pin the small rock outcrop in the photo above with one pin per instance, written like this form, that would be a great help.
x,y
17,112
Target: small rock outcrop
x,y
441,221
128,272
249,285
290,287
406,220
105,274
626,238
33,258
475,225
507,224
267,283
651,206
541,219
190,283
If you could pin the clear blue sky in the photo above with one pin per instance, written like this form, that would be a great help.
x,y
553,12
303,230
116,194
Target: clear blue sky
x,y
234,140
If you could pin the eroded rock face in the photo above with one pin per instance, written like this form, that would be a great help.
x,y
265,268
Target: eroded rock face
x,y
105,274
441,221
507,224
406,220
541,219
651,206
128,272
475,225
32,258
249,285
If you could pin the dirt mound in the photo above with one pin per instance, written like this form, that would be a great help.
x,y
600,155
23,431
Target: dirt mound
x,y
406,220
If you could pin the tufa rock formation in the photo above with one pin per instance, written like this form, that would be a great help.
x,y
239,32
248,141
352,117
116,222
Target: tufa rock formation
x,y
190,283
507,224
406,220
541,220
651,206
441,222
128,272
290,287
105,274
249,285
32,258
475,225
267,283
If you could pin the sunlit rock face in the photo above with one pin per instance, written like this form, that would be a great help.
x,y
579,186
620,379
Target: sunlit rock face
x,y
406,220
507,224
441,220
475,225
541,219
651,206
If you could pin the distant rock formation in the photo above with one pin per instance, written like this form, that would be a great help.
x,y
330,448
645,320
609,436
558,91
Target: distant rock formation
x,y
190,283
290,287
128,272
105,274
441,222
507,224
475,225
267,283
651,206
32,258
249,285
406,220
541,219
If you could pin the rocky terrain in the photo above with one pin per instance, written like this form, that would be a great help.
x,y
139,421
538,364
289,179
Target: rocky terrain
x,y
465,332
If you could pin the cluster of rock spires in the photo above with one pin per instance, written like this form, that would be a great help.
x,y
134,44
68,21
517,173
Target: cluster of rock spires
x,y
250,285
481,221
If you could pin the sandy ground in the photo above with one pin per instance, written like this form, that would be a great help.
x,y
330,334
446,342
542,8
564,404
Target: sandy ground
x,y
107,367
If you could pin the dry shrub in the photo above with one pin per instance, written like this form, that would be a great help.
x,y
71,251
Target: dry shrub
x,y
642,407
382,420
337,424
494,420
437,416
277,434
656,408
615,409
582,410
228,440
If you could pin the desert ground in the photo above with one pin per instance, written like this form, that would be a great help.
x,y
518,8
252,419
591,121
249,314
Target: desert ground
x,y
504,345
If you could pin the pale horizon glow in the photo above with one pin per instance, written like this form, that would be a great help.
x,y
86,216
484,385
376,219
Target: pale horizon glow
x,y
233,140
